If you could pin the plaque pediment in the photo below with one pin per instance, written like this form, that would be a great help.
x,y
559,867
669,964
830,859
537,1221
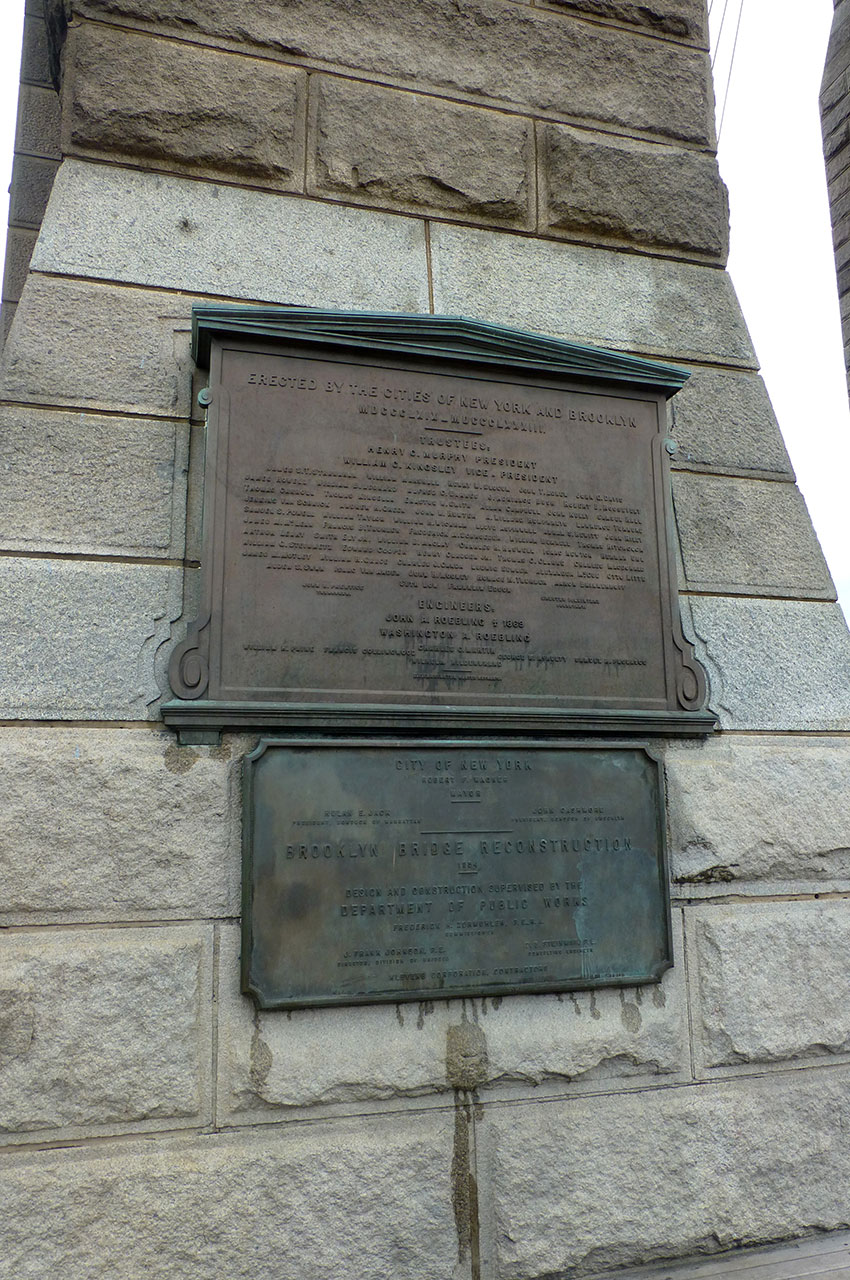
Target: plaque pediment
x,y
443,337
429,523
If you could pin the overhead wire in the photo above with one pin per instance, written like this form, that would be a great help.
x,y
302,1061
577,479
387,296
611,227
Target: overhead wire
x,y
720,32
731,64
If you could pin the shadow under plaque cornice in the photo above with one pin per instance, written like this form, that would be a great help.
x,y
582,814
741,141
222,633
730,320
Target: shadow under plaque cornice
x,y
614,665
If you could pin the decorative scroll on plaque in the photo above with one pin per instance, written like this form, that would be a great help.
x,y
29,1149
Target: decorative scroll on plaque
x,y
432,523
414,870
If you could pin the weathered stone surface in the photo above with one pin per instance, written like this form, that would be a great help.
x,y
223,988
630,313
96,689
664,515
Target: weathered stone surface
x,y
84,645
130,348
490,49
651,305
32,180
783,817
363,1201
579,1187
181,105
77,482
19,246
103,1027
116,824
7,315
771,981
35,63
775,664
406,151
724,420
175,233
271,1060
632,193
39,118
682,18
592,1036
751,537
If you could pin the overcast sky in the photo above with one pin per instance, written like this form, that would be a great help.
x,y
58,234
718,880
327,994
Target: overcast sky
x,y
781,259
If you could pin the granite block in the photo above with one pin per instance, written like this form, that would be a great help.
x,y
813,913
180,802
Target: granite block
x,y
117,824
103,1029
84,644
625,192
580,1187
723,420
770,982
130,349
406,151
85,483
175,233
748,537
362,1201
179,105
775,664
783,818
651,306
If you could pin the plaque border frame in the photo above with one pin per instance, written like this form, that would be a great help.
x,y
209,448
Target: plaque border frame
x,y
470,343
472,991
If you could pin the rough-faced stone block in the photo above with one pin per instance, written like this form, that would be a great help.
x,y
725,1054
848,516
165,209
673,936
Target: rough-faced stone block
x,y
750,537
103,1028
725,421
589,1037
130,349
7,315
35,60
771,981
670,309
78,482
406,151
580,1187
783,815
39,118
19,247
181,105
357,1201
32,180
632,193
179,234
684,19
116,824
84,644
272,1061
775,664
541,62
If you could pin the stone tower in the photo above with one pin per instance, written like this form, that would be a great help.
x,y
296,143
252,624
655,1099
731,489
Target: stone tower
x,y
547,165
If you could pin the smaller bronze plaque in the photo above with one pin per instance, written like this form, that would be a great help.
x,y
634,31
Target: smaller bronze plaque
x,y
415,870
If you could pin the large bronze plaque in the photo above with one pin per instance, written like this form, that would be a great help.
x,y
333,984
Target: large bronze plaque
x,y
390,531
400,871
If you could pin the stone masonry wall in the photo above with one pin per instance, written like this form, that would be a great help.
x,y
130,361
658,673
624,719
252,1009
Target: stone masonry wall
x,y
543,165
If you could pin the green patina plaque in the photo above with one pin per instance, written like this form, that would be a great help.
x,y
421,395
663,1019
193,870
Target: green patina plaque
x,y
403,870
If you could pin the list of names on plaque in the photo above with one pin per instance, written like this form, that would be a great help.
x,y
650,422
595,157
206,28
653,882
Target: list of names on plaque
x,y
398,533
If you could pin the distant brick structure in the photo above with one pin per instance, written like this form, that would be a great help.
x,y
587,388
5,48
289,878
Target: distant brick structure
x,y
835,122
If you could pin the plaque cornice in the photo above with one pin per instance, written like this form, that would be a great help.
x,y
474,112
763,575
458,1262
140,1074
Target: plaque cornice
x,y
202,721
447,337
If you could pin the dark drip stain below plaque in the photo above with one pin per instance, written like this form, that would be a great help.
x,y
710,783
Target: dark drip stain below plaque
x,y
399,871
